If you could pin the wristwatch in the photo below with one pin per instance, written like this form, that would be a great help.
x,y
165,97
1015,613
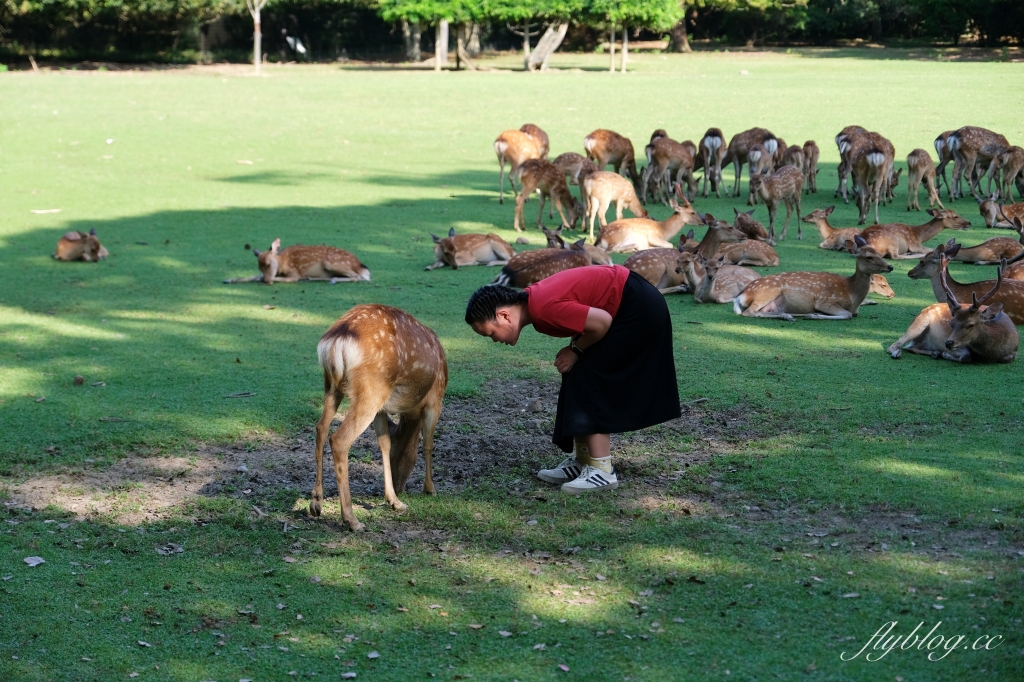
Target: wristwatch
x,y
575,349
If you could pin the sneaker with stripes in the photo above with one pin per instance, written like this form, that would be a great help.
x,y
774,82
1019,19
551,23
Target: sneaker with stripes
x,y
566,471
591,479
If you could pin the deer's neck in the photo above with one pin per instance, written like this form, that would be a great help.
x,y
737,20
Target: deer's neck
x,y
824,229
958,288
708,246
671,225
696,277
859,284
928,230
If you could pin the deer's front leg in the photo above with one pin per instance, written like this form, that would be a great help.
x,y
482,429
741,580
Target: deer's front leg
x,y
380,425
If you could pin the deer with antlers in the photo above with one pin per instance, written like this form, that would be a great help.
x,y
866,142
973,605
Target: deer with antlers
x,y
901,241
606,147
528,267
784,186
80,246
637,234
306,263
813,295
548,180
811,154
920,168
602,189
385,362
514,147
739,148
970,147
712,151
465,250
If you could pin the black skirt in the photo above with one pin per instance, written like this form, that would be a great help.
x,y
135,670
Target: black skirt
x,y
627,380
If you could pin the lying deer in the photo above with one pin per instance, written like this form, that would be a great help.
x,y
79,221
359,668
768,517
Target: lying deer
x,y
83,246
312,263
920,168
637,234
658,266
784,186
901,241
999,215
606,147
719,234
813,295
528,267
960,332
385,362
464,250
548,180
513,147
750,252
752,228
991,252
601,189
597,255
811,154
712,151
1010,294
832,239
713,280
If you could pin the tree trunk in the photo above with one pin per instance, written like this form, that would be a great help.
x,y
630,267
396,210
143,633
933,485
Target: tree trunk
x,y
441,45
257,41
546,46
473,43
526,44
679,41
415,42
625,46
611,48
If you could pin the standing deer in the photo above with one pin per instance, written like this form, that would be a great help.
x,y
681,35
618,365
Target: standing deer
x,y
843,142
900,241
668,161
315,263
83,246
602,189
794,156
760,160
813,295
871,162
464,250
971,145
575,166
920,167
784,186
1010,294
528,267
605,147
811,154
945,156
385,361
637,234
1006,167
658,266
739,147
712,151
711,279
832,239
513,147
539,136
547,180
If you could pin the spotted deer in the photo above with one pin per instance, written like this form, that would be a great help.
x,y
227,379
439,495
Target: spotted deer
x,y
385,362
528,267
843,142
597,255
80,246
637,234
606,147
832,239
1010,294
658,266
871,166
970,146
602,189
778,157
979,333
920,168
991,252
752,228
465,250
813,295
945,156
901,241
811,154
575,166
539,136
712,280
1007,166
306,263
712,151
749,252
547,180
999,215
739,148
784,186
794,156
718,235
513,147
668,161
760,160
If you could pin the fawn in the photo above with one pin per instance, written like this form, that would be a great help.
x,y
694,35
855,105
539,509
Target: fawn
x,y
513,147
920,168
464,250
549,181
315,263
783,186
83,246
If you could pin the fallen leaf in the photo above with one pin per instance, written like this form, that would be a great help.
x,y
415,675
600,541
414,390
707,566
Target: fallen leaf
x,y
34,560
540,647
144,644
281,607
600,577
938,606
315,579
170,548
564,667
443,614
504,633
40,399
269,307
289,560
348,676
403,609
850,595
647,593
475,626
133,674
42,211
434,606
373,654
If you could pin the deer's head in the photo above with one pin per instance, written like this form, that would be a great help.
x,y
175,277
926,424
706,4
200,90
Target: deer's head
x,y
555,240
951,220
745,223
929,265
868,260
969,321
268,261
684,208
818,215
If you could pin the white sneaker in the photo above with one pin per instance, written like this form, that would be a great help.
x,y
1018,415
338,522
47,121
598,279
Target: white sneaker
x,y
566,471
591,479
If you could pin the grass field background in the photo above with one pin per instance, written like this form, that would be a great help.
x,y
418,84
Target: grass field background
x,y
374,160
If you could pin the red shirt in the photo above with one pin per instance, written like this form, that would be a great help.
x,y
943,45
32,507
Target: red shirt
x,y
559,304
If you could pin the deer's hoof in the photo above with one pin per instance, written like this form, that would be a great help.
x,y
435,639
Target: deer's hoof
x,y
315,507
399,506
356,527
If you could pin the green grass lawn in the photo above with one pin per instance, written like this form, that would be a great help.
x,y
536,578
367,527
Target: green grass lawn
x,y
913,468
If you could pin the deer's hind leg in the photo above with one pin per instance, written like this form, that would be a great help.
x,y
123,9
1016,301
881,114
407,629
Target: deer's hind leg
x,y
381,426
361,414
332,399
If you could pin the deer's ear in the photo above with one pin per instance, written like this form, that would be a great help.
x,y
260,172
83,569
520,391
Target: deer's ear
x,y
736,211
579,244
72,236
451,231
952,251
689,235
708,218
437,240
859,241
93,232
751,211
930,211
828,211
992,312
256,252
275,246
682,246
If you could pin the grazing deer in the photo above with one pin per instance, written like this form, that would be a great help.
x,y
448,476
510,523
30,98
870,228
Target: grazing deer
x,y
813,295
464,250
832,239
637,234
313,263
945,156
999,215
871,163
794,156
779,154
784,186
712,152
760,159
752,228
385,361
811,154
712,280
602,189
900,241
575,166
1011,292
658,266
597,256
539,136
970,146
668,161
739,148
605,147
1006,167
547,180
513,147
528,267
920,167
891,183
843,142
83,246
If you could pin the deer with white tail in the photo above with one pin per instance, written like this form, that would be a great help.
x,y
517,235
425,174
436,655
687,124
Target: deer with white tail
x,y
306,263
385,362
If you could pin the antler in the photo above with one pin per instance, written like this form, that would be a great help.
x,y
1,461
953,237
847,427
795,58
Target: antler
x,y
975,303
954,304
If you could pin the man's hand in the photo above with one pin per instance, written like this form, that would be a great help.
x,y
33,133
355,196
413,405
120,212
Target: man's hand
x,y
565,360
